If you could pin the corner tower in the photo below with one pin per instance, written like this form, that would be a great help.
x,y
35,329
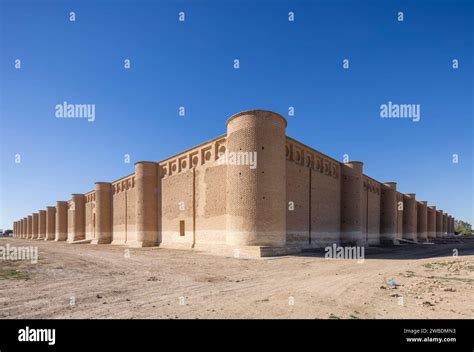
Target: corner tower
x,y
256,194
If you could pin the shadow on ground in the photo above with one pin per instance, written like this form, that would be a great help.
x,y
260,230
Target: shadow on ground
x,y
442,247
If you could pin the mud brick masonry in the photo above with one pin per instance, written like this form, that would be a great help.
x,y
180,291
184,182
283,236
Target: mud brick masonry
x,y
295,198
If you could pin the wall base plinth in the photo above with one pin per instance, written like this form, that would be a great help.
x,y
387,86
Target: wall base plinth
x,y
373,239
140,244
354,239
389,240
411,237
238,252
408,241
118,243
79,242
100,241
318,239
264,251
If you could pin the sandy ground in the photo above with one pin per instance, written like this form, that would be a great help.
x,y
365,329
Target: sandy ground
x,y
87,281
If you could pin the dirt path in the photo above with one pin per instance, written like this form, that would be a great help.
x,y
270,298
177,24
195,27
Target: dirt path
x,y
104,282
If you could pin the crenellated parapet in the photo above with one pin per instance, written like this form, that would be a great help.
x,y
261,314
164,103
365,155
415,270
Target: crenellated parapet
x,y
305,156
194,157
123,184
90,197
371,185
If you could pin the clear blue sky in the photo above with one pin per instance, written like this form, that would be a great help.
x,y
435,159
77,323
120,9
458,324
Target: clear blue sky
x,y
190,64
